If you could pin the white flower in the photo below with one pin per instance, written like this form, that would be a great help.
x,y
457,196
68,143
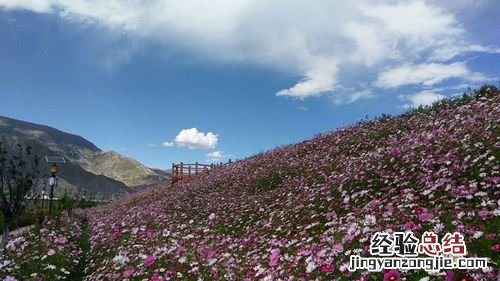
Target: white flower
x,y
478,234
50,266
182,259
311,266
438,228
120,259
370,220
424,279
211,216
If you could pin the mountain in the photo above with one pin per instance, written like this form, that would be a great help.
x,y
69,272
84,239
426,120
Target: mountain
x,y
102,174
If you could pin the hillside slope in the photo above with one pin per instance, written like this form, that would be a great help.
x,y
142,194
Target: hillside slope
x,y
297,212
72,178
83,153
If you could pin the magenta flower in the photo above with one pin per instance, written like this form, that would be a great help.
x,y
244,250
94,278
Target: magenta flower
x,y
449,275
127,273
327,268
149,261
423,214
483,214
51,252
274,257
391,275
156,277
495,248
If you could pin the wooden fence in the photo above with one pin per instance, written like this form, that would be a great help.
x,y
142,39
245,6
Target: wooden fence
x,y
183,170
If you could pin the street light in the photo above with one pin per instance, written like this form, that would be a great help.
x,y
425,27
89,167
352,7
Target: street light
x,y
53,178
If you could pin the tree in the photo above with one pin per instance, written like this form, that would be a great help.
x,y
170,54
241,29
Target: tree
x,y
19,175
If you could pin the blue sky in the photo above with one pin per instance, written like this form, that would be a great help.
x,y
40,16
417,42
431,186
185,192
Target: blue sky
x,y
247,75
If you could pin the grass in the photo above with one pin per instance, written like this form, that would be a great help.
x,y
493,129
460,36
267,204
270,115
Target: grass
x,y
79,272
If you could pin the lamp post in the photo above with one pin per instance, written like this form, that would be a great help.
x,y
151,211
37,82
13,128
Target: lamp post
x,y
54,160
52,183
43,194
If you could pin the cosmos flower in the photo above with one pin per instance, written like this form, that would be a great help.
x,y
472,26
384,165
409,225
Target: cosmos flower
x,y
391,275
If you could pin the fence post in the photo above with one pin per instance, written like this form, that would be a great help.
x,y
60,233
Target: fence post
x,y
195,168
182,169
189,171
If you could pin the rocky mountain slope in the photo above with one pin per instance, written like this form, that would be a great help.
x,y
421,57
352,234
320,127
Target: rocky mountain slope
x,y
99,172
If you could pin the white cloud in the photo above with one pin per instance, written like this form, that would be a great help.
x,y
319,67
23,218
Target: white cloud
x,y
316,42
425,74
319,80
215,156
167,144
365,94
39,6
193,139
421,98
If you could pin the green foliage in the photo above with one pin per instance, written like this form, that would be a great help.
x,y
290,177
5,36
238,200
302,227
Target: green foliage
x,y
270,182
79,272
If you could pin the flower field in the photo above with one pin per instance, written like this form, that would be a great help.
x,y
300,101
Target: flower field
x,y
50,252
298,212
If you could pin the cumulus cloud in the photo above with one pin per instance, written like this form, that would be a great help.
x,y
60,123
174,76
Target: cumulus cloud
x,y
315,42
193,139
421,98
425,74
215,156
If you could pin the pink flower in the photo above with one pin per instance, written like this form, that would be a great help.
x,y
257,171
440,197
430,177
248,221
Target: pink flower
x,y
156,277
449,275
51,252
61,240
495,248
149,260
411,226
327,268
115,235
348,238
391,275
127,273
338,248
423,214
208,253
274,257
490,236
331,215
483,214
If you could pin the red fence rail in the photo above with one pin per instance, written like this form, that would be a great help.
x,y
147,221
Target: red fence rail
x,y
184,170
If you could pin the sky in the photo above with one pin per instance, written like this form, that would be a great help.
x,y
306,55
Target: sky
x,y
166,81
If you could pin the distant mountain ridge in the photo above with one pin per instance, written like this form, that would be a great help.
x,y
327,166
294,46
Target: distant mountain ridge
x,y
102,173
